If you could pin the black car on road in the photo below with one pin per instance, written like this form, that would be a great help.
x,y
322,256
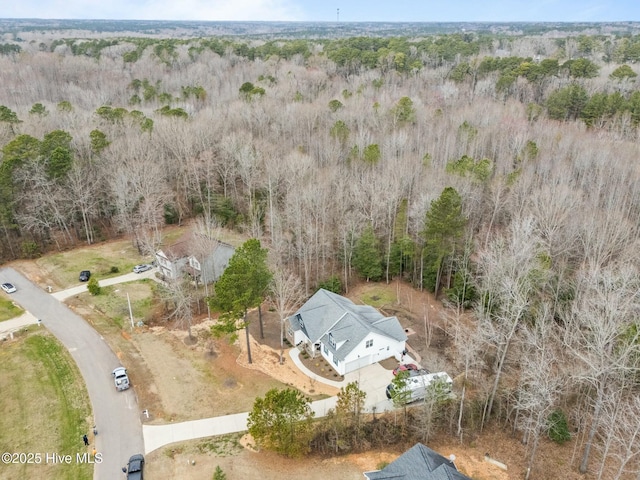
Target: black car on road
x,y
134,467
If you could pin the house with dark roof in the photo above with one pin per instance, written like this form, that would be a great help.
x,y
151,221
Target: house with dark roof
x,y
418,463
347,335
202,258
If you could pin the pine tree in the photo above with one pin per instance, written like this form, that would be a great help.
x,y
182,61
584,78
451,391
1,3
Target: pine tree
x,y
242,286
443,234
366,256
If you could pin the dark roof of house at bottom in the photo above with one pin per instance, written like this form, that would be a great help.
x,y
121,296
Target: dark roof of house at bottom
x,y
328,312
418,463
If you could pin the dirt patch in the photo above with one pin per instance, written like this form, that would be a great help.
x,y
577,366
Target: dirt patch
x,y
553,462
389,363
37,274
178,378
267,360
197,460
200,379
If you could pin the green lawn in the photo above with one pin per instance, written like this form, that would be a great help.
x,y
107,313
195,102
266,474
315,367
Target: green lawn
x,y
108,260
378,296
8,309
45,407
113,304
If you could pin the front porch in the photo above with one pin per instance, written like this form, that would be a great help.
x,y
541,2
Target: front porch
x,y
311,349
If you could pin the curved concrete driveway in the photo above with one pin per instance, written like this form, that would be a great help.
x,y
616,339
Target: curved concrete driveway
x,y
116,413
372,380
116,442
127,277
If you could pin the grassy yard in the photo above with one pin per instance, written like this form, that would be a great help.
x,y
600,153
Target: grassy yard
x,y
104,260
377,295
45,407
8,309
114,305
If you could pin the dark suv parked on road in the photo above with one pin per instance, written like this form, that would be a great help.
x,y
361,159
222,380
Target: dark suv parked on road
x,y
134,467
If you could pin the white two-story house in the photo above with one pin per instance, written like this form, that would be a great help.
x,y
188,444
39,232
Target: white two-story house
x,y
202,259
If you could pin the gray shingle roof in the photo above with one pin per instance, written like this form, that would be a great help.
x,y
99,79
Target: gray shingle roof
x,y
328,312
418,463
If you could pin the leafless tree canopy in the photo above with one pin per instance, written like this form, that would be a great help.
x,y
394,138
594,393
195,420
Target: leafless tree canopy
x,y
284,148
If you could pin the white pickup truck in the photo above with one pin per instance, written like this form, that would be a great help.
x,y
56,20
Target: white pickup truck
x,y
121,378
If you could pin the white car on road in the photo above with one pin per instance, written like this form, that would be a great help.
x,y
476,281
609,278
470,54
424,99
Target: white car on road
x,y
142,268
8,287
121,378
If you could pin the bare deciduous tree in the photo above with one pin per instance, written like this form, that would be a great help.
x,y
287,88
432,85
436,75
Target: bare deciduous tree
x,y
286,294
468,343
541,381
509,272
601,337
139,192
178,297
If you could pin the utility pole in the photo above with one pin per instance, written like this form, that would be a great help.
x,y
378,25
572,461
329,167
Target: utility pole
x,y
206,293
130,312
338,15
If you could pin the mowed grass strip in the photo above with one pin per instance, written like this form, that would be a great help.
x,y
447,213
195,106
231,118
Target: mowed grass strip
x,y
44,408
8,309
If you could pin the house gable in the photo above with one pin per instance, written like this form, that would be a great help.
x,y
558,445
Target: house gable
x,y
342,326
180,257
418,463
319,314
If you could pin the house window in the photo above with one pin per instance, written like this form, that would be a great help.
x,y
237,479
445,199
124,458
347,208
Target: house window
x,y
300,321
369,343
325,348
332,341
289,332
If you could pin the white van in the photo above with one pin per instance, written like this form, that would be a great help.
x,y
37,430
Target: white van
x,y
417,387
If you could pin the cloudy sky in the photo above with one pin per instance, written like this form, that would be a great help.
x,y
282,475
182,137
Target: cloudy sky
x,y
323,10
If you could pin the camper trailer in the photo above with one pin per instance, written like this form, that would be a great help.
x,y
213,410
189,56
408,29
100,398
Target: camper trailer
x,y
417,387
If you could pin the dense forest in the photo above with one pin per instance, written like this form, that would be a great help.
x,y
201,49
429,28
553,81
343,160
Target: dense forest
x,y
497,170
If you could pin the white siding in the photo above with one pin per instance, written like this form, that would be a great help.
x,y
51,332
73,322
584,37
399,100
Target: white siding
x,y
358,363
382,348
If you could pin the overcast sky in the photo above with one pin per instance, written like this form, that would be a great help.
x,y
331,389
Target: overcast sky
x,y
323,10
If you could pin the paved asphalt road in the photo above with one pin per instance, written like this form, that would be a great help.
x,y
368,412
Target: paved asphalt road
x,y
120,433
116,413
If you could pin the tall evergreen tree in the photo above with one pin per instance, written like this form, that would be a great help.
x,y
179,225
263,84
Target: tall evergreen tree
x,y
242,286
443,234
366,256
